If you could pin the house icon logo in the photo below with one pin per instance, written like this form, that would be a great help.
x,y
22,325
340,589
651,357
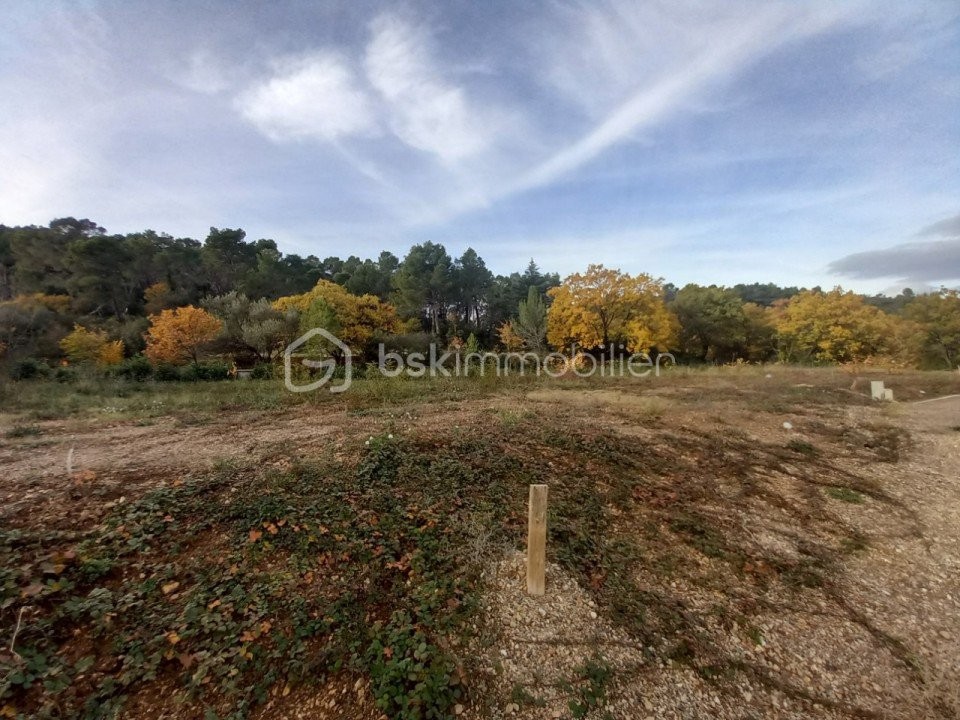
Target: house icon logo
x,y
328,365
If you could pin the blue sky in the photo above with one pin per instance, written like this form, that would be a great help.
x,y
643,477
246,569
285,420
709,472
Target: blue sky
x,y
801,143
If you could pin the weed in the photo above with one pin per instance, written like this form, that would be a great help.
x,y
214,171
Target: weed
x,y
519,695
755,634
857,542
590,686
802,447
845,494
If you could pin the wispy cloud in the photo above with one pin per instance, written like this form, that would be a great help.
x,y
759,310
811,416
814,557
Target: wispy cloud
x,y
397,87
614,31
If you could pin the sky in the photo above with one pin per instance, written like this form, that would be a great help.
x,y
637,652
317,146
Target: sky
x,y
802,143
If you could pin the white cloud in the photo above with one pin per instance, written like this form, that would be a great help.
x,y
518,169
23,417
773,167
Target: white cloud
x,y
398,87
425,110
316,96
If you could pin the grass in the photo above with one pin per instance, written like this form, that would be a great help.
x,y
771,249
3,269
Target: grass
x,y
22,431
845,494
93,398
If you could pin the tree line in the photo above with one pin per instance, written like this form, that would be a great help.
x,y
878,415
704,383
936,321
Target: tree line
x,y
71,292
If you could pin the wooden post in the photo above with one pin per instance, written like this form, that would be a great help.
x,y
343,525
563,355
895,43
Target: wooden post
x,y
537,540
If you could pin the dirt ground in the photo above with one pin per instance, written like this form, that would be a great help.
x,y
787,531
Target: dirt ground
x,y
881,640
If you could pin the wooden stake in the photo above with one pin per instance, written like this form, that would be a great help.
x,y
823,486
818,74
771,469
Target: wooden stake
x,y
537,540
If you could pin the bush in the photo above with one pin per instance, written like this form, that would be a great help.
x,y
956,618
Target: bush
x,y
65,374
214,370
28,369
137,368
262,371
166,372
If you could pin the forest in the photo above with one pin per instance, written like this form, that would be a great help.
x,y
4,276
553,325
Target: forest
x,y
74,296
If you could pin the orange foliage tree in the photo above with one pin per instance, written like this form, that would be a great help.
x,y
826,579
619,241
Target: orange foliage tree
x,y
177,336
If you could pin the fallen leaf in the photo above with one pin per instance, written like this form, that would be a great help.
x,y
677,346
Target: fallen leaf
x,y
255,535
170,587
31,590
173,638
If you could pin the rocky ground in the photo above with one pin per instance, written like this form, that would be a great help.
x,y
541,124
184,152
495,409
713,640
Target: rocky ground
x,y
885,643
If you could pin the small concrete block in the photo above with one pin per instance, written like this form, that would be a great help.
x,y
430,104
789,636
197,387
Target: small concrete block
x,y
877,390
888,395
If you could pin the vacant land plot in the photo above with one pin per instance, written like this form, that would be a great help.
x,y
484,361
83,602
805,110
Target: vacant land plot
x,y
743,543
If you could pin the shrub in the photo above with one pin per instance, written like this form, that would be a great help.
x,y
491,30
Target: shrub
x,y
137,368
214,370
262,371
65,374
28,369
166,372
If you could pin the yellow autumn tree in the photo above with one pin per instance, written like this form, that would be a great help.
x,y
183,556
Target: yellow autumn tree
x,y
83,346
157,297
54,303
509,336
603,306
179,335
832,327
936,318
354,319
